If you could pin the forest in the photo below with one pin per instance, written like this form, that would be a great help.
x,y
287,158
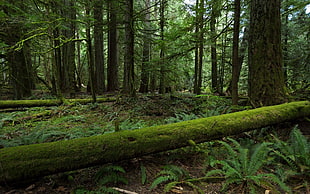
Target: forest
x,y
154,96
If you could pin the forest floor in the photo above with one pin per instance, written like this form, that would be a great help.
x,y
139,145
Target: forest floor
x,y
45,124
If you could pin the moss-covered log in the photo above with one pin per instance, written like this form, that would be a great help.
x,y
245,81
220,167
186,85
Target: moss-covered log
x,y
24,162
53,102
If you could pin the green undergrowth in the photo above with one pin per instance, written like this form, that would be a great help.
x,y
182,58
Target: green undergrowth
x,y
47,124
244,165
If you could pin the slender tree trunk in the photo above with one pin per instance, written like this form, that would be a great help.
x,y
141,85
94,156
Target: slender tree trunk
x,y
99,48
285,42
214,76
79,63
145,69
162,79
266,81
235,54
112,73
68,49
57,70
199,46
90,55
129,75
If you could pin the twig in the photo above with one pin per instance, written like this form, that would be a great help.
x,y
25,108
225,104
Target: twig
x,y
124,191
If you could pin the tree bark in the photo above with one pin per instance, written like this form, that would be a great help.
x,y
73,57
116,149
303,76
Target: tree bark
x,y
235,54
129,75
90,55
112,69
214,77
68,49
199,45
145,69
99,47
162,23
26,162
266,78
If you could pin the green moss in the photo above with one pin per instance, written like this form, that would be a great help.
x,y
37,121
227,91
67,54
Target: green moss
x,y
24,162
33,103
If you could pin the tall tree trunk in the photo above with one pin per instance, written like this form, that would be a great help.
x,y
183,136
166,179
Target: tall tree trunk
x,y
235,54
18,59
112,71
68,49
285,42
57,82
162,78
99,48
26,162
214,76
266,81
199,46
90,54
145,69
129,75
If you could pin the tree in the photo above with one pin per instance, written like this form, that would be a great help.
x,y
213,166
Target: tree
x,y
235,55
90,54
145,69
199,45
98,46
129,74
18,54
112,77
162,23
214,73
266,81
68,49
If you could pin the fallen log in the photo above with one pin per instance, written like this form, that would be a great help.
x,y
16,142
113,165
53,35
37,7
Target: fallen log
x,y
52,102
26,162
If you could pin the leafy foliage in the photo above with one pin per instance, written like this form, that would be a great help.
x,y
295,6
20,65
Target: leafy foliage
x,y
111,174
295,152
173,175
181,117
243,167
169,173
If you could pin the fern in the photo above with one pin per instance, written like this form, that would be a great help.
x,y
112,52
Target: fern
x,y
160,180
169,173
111,174
181,117
295,152
143,175
242,167
107,190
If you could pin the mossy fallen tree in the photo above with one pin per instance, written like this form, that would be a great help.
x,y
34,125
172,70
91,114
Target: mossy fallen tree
x,y
26,162
52,102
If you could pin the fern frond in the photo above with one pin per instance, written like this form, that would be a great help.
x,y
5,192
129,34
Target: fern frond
x,y
113,178
230,151
143,175
215,172
258,158
170,185
195,187
111,174
107,190
113,168
300,146
177,171
160,180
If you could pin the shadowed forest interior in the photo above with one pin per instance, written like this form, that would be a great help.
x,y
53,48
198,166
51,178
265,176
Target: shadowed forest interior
x,y
234,75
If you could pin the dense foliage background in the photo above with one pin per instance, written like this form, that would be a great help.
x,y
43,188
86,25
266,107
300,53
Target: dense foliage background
x,y
65,46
